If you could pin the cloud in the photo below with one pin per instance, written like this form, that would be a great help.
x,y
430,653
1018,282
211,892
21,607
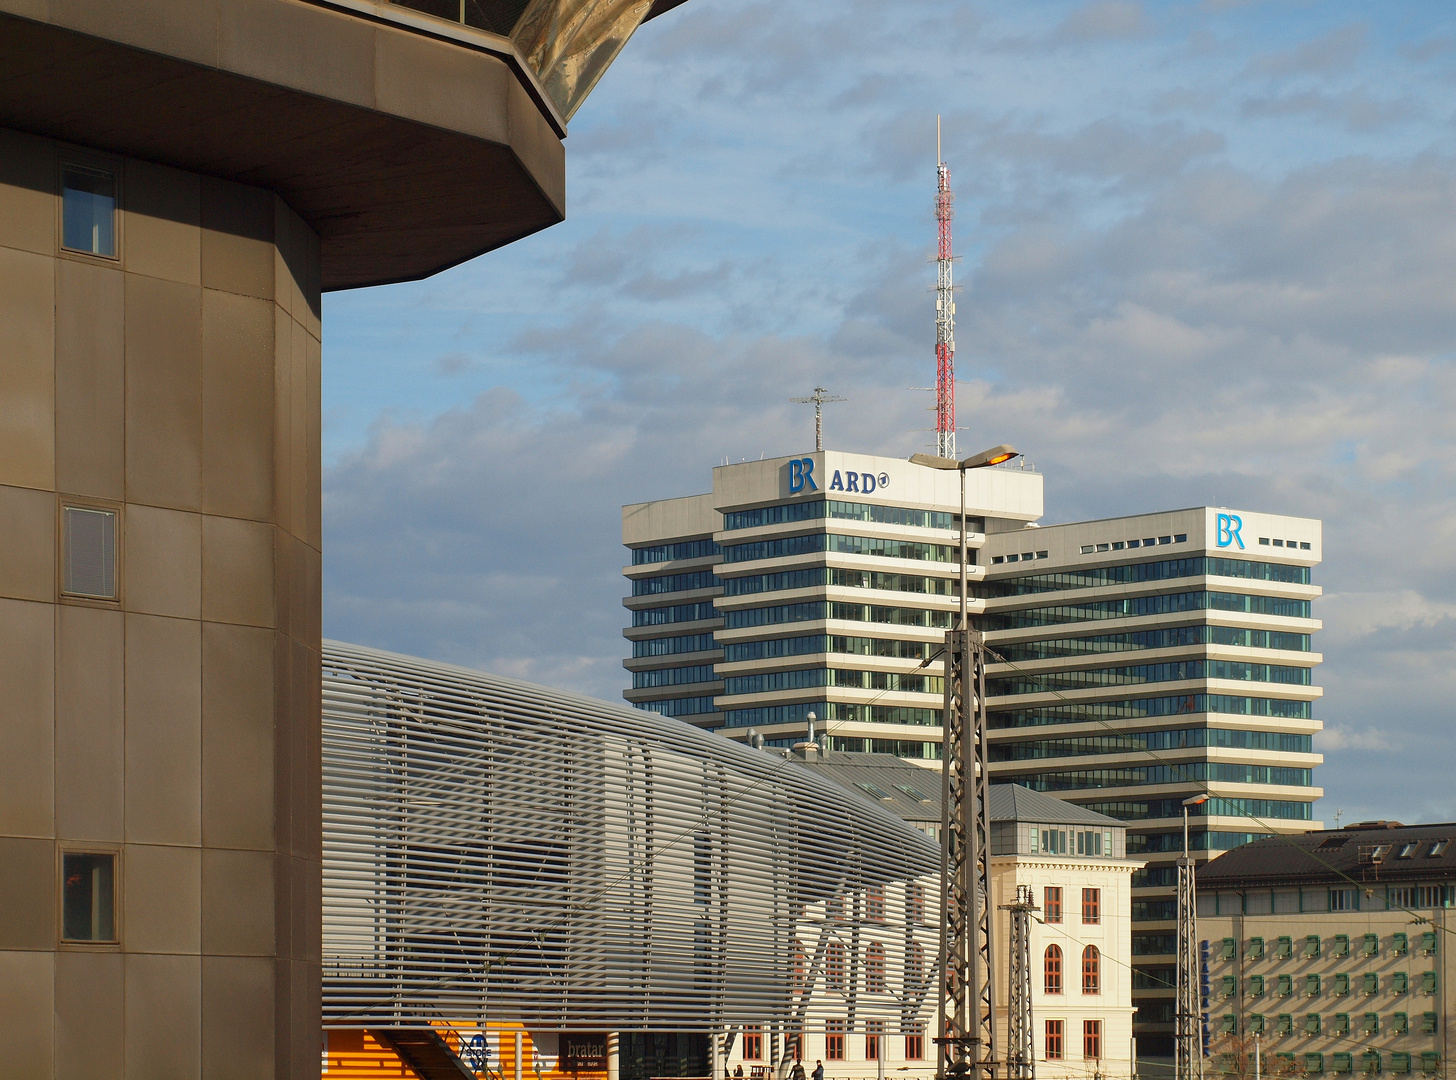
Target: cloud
x,y
1101,20
1331,53
1356,110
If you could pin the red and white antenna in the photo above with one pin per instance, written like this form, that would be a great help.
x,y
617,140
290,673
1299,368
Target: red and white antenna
x,y
945,423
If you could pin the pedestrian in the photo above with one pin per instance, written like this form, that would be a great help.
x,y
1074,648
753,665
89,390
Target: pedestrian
x,y
818,1069
738,1073
797,1072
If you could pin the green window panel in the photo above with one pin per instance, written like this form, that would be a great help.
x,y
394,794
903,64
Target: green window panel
x,y
1341,985
1430,1061
1312,1024
1371,1026
1341,1025
1284,948
1399,944
1342,1062
1399,982
1227,948
1256,1024
1311,946
1340,945
1369,983
1255,949
1230,985
1284,986
1428,982
1256,986
1400,1063
1311,985
1284,1025
1399,1024
1371,946
1428,1023
1370,1062
1428,943
1230,1024
1314,1064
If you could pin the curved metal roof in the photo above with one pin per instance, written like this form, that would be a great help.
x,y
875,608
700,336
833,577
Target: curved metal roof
x,y
492,847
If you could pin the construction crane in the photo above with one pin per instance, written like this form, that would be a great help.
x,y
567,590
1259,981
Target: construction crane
x,y
819,398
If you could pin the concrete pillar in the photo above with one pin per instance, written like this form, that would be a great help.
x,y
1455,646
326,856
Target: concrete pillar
x,y
174,725
614,1058
520,1051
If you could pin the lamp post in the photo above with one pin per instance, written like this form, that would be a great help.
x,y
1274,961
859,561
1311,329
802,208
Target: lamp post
x,y
966,1043
1188,1009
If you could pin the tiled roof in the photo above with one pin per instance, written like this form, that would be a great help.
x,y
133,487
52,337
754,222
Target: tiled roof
x,y
1335,856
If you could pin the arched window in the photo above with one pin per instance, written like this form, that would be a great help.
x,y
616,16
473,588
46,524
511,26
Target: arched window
x,y
1091,970
875,968
915,967
1053,969
834,967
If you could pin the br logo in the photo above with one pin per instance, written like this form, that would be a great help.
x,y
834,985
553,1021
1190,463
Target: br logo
x,y
801,475
1228,530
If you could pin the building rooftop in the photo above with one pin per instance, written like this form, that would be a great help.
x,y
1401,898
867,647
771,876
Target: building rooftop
x,y
1365,852
913,791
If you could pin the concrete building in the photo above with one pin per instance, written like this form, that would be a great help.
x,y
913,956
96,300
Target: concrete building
x,y
179,183
1076,864
1139,660
1331,951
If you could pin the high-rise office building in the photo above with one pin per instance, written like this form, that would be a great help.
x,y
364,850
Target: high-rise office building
x,y
179,184
1138,661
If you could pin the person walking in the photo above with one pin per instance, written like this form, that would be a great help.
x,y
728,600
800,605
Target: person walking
x,y
818,1069
797,1072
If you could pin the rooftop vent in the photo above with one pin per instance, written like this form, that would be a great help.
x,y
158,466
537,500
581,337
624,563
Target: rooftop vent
x,y
1374,825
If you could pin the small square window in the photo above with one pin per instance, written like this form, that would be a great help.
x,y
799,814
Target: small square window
x,y
88,210
1150,541
1087,549
1104,547
1290,543
997,559
1013,558
1303,546
88,552
88,896
1043,555
1264,540
1278,543
1118,545
1180,538
1134,543
1165,539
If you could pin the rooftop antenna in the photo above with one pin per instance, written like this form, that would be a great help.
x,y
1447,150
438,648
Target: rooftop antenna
x,y
945,425
818,399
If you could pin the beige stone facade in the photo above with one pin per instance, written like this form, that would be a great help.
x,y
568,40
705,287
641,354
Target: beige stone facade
x,y
175,726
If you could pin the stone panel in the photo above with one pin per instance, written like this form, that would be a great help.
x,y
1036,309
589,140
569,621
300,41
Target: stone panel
x,y
90,379
27,710
237,238
90,995
237,1018
27,193
163,899
238,731
27,544
237,903
163,1017
27,895
90,729
163,393
237,571
163,210
163,730
237,405
27,1002
27,369
163,564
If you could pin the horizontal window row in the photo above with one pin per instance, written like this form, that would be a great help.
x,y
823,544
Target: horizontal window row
x,y
764,682
814,543
1176,705
670,583
836,509
1017,557
692,706
815,644
1142,809
671,646
1134,573
1338,1024
1129,776
1198,840
1135,741
1146,542
1290,901
813,610
1052,970
1171,637
1130,607
823,576
1140,674
1054,1041
1339,984
686,549
904,748
836,1032
1302,545
840,962
833,712
678,676
1312,946
659,616
1370,1062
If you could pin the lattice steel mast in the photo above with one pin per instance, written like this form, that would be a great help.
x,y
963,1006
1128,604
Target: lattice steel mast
x,y
1020,1043
967,1014
945,423
1188,1010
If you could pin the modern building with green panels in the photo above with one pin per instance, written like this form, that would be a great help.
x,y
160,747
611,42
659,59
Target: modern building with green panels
x,y
1143,660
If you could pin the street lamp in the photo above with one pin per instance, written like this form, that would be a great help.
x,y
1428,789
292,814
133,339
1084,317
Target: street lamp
x,y
1194,800
994,456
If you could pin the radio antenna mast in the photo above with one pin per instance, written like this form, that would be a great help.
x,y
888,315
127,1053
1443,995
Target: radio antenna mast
x,y
818,399
945,424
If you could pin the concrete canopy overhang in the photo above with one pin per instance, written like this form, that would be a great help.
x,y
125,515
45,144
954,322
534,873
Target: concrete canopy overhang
x,y
408,145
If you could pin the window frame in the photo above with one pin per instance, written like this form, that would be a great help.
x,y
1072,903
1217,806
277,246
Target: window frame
x,y
836,968
1053,970
66,502
1091,906
876,979
1054,1033
93,163
112,944
1091,970
1091,1040
915,1042
874,1039
1052,905
836,1032
753,1042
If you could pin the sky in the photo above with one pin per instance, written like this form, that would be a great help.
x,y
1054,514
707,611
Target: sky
x,y
1205,256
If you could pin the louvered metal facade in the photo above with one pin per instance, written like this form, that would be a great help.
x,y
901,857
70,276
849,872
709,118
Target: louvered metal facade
x,y
497,850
